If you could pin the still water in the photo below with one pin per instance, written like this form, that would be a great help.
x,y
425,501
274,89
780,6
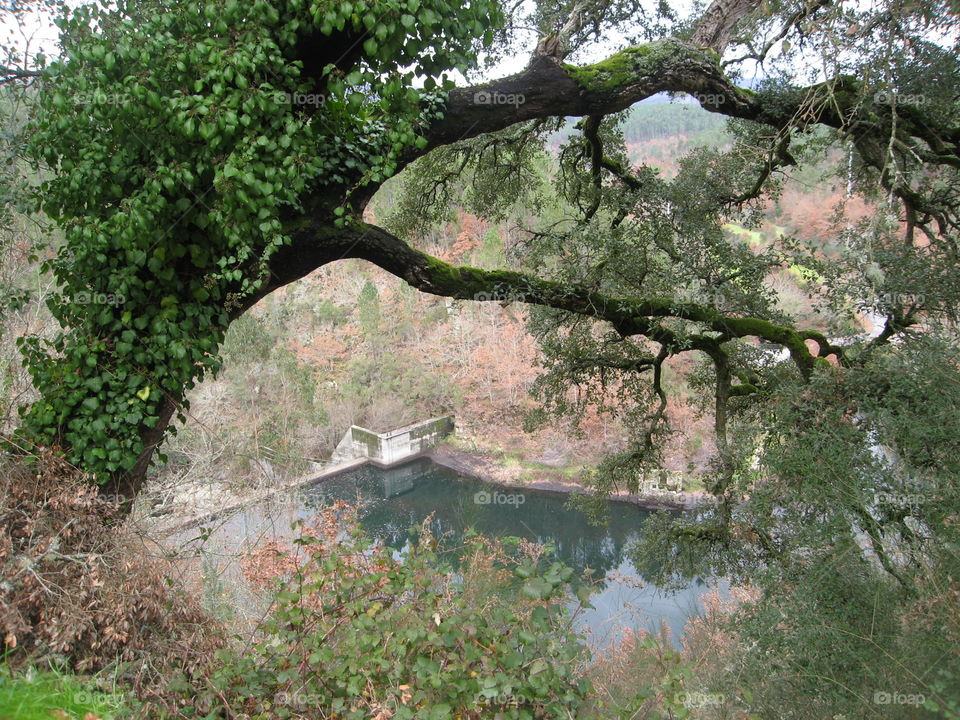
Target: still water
x,y
392,501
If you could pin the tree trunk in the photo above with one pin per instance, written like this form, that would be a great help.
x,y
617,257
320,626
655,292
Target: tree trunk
x,y
125,486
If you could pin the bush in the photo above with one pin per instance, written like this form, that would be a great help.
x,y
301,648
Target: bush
x,y
642,676
74,591
358,632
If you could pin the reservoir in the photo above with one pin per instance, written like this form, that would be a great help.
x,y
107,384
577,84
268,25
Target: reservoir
x,y
392,501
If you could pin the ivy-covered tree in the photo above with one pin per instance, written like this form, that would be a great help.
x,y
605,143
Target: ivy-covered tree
x,y
201,155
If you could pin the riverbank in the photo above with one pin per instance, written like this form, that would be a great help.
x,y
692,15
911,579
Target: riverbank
x,y
201,498
491,468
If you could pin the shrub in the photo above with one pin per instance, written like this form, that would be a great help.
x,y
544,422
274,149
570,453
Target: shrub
x,y
74,590
359,631
642,676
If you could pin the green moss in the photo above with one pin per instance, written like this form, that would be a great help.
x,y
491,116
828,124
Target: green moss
x,y
756,327
369,439
471,283
440,426
474,277
621,68
468,282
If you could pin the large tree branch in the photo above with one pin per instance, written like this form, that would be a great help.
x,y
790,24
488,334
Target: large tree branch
x,y
316,244
10,74
548,88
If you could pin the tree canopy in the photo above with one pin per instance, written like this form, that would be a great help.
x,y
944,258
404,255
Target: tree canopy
x,y
201,155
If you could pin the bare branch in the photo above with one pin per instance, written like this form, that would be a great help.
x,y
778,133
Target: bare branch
x,y
10,74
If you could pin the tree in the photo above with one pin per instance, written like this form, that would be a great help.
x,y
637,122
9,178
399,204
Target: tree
x,y
202,155
368,309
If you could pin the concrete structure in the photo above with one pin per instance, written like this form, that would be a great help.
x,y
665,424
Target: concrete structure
x,y
394,446
358,446
661,482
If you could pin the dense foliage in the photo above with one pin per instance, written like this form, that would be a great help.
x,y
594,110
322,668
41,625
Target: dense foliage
x,y
358,632
199,155
184,138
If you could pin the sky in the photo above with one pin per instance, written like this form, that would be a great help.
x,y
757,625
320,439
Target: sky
x,y
35,34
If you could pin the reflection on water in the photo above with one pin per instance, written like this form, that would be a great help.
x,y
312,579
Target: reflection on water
x,y
392,501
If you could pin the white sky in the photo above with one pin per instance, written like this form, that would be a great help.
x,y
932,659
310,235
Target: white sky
x,y
36,34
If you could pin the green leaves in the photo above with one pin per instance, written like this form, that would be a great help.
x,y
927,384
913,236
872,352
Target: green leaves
x,y
538,589
431,644
178,142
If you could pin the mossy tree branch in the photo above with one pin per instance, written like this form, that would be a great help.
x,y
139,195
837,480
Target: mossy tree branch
x,y
548,88
316,245
289,218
